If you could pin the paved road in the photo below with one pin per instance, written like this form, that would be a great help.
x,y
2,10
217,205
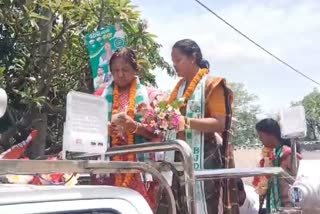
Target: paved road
x,y
315,155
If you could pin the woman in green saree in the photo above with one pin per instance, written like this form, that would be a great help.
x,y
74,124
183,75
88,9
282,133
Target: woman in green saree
x,y
269,133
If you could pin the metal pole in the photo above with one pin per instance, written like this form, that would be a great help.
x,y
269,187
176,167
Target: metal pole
x,y
294,160
210,174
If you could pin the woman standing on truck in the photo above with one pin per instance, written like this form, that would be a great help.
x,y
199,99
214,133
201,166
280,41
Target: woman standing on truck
x,y
207,111
124,95
269,133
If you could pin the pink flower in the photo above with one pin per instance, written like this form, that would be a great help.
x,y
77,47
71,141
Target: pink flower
x,y
162,117
142,108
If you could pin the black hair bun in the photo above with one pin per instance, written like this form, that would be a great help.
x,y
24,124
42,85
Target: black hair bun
x,y
204,64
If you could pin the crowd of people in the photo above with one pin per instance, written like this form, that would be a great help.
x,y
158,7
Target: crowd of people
x,y
207,115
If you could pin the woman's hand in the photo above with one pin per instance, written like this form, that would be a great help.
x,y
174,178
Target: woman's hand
x,y
112,129
127,123
210,124
124,123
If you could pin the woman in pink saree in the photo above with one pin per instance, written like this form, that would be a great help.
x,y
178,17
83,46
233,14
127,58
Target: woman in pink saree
x,y
124,95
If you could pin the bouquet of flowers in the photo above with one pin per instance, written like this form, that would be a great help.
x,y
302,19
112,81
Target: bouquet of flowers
x,y
162,117
261,182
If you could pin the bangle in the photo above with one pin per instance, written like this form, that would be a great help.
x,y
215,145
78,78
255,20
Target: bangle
x,y
136,129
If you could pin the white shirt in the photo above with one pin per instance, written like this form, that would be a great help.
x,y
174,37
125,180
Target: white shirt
x,y
251,204
104,59
119,34
98,81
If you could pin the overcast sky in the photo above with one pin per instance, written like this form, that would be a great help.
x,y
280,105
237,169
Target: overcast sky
x,y
289,29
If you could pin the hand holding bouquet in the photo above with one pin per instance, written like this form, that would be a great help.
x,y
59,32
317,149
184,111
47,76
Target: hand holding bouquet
x,y
162,116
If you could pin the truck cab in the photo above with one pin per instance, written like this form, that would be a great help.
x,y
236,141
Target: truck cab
x,y
27,199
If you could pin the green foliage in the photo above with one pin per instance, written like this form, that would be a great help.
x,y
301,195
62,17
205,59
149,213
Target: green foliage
x,y
311,103
177,103
43,55
162,105
245,111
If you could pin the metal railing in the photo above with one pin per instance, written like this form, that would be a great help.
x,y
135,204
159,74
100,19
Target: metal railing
x,y
174,145
27,167
187,166
190,176
242,173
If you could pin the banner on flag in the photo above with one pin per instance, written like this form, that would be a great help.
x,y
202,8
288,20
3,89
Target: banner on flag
x,y
101,45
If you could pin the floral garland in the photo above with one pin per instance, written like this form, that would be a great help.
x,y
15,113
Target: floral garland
x,y
44,179
261,182
192,86
126,179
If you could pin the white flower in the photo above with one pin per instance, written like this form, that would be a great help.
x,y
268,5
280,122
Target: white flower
x,y
164,126
177,111
182,99
19,179
162,115
72,179
157,132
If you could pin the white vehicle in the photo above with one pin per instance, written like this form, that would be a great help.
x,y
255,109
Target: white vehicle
x,y
27,199
79,199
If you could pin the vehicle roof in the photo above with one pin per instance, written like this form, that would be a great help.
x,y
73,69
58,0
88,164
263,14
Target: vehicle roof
x,y
17,194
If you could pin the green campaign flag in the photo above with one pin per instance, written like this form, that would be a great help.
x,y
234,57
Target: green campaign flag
x,y
101,45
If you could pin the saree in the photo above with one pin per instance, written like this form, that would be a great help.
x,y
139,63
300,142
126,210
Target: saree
x,y
139,183
210,98
277,195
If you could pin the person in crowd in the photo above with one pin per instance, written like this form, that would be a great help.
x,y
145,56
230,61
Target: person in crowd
x,y
250,203
99,79
248,199
119,32
105,58
269,133
206,110
124,95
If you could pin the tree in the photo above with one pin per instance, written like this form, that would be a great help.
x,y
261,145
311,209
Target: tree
x,y
311,103
43,57
245,111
